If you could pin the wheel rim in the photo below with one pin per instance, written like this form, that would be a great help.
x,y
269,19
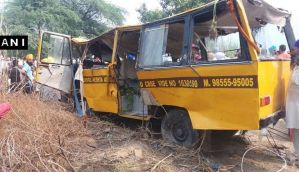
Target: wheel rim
x,y
180,132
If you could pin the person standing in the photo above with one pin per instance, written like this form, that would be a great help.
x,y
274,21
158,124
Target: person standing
x,y
282,54
14,76
28,72
292,104
294,54
273,52
195,54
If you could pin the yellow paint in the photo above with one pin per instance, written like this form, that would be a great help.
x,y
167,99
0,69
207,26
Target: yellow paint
x,y
103,97
273,82
146,118
208,108
114,47
98,95
226,108
79,41
246,27
39,51
211,108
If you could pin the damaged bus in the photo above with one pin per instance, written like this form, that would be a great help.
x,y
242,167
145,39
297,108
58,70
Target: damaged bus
x,y
209,68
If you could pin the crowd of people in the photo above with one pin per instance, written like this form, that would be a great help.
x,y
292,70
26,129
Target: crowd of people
x,y
21,74
216,54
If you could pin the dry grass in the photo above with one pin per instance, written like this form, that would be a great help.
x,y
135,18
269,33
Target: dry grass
x,y
39,135
34,136
42,136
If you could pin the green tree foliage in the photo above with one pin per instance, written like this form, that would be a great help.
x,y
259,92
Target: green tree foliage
x,y
147,15
96,15
168,8
86,18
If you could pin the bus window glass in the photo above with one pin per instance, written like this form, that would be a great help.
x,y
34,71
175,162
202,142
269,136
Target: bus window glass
x,y
174,44
56,49
66,54
220,45
162,45
99,53
270,38
152,46
224,47
77,51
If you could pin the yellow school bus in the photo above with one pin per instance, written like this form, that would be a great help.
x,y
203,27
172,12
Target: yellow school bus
x,y
215,67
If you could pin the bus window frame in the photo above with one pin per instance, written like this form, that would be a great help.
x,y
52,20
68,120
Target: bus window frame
x,y
68,37
105,66
184,49
188,38
243,46
289,36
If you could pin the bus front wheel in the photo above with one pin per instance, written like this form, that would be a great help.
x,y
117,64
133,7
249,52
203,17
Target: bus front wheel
x,y
176,128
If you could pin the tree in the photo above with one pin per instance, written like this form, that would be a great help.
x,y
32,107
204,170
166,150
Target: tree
x,y
96,15
87,18
168,8
148,15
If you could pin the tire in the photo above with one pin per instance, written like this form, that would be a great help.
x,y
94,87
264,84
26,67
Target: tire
x,y
176,128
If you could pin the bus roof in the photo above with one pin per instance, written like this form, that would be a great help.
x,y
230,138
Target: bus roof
x,y
256,10
106,35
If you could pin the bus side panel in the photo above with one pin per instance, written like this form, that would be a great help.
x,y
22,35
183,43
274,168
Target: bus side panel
x,y
209,108
273,81
97,84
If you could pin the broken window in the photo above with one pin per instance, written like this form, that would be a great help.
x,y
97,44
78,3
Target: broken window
x,y
162,45
55,49
152,46
127,51
270,37
174,45
66,52
99,54
216,43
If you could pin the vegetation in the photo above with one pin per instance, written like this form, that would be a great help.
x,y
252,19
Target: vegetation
x,y
85,18
168,8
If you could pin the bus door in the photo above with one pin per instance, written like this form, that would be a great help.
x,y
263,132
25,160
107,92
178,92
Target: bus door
x,y
100,88
130,101
54,61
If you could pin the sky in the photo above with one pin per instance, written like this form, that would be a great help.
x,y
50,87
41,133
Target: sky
x,y
1,4
131,6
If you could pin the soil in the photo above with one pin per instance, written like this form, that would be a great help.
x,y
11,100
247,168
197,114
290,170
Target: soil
x,y
47,135
119,144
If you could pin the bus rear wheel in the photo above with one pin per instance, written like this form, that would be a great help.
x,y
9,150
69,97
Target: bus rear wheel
x,y
176,128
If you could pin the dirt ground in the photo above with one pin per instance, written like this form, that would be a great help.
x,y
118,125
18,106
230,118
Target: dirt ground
x,y
111,143
130,149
